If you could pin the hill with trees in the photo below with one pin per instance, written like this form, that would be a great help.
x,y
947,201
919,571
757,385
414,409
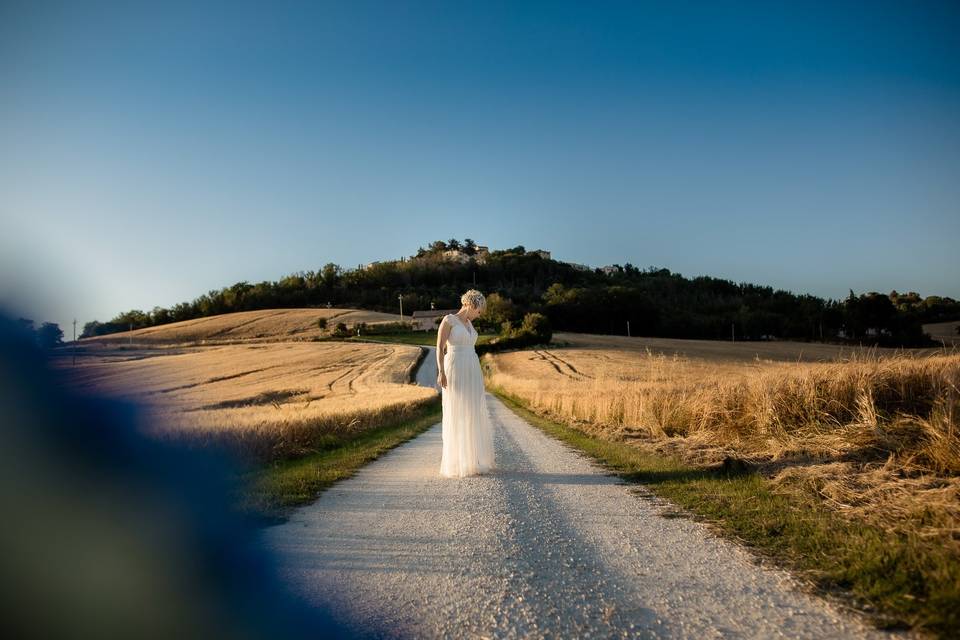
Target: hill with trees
x,y
654,301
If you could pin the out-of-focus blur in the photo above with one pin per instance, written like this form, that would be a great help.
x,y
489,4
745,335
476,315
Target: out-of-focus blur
x,y
107,533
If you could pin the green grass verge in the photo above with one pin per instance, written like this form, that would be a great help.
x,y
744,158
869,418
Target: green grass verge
x,y
269,493
900,581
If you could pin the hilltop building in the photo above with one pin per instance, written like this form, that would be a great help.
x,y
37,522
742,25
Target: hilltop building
x,y
455,255
459,255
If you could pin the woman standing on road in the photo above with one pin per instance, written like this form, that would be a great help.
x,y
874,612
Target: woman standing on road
x,y
467,428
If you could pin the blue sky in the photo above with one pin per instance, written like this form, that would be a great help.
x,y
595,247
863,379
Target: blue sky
x,y
150,152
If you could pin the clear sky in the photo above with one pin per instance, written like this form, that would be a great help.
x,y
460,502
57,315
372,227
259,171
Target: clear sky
x,y
150,152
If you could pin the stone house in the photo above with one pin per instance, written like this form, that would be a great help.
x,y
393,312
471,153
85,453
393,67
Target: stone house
x,y
428,319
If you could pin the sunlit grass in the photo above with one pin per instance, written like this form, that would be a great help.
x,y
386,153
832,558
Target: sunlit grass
x,y
874,436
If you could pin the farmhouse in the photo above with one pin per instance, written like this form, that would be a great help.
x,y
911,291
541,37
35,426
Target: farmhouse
x,y
428,319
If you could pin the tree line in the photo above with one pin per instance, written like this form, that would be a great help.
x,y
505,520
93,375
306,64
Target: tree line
x,y
654,301
47,336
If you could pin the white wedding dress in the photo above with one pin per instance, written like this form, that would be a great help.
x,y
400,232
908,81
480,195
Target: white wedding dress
x,y
467,426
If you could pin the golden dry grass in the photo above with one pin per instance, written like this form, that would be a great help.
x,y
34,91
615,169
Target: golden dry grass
x,y
266,325
266,401
874,433
722,351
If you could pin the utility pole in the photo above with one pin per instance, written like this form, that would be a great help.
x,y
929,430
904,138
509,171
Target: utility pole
x,y
628,328
400,298
74,342
130,342
733,332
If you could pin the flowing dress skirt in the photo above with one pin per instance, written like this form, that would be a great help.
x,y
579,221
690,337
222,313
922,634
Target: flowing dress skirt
x,y
467,426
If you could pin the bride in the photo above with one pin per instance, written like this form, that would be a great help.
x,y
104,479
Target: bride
x,y
467,430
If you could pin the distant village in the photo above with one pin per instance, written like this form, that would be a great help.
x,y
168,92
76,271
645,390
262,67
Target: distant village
x,y
481,252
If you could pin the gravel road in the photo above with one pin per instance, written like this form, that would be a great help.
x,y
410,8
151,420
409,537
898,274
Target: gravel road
x,y
548,545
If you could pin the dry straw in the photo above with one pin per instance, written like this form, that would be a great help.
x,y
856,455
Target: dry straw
x,y
874,436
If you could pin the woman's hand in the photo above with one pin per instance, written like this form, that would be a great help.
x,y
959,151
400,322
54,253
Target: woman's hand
x,y
442,379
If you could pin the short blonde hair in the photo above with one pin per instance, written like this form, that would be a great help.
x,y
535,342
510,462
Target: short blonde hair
x,y
473,298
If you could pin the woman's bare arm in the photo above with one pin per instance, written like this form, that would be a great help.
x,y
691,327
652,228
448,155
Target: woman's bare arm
x,y
442,332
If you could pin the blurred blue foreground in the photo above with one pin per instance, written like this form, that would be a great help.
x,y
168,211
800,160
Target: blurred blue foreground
x,y
108,534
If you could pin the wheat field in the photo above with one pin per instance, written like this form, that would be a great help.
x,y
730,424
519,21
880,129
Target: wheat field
x,y
265,401
266,325
873,433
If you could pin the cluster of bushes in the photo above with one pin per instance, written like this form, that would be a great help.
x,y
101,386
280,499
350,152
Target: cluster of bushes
x,y
47,336
878,319
341,330
535,329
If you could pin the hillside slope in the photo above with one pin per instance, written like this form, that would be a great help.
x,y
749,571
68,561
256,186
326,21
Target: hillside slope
x,y
265,325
